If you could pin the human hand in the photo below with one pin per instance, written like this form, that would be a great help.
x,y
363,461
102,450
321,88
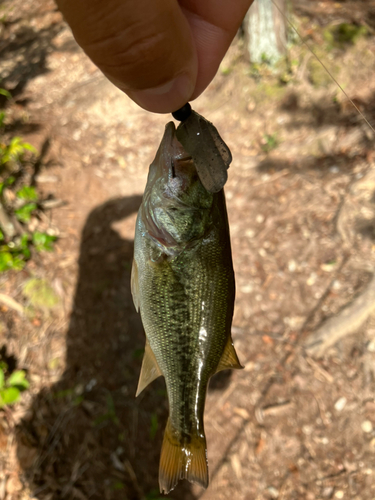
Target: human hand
x,y
161,53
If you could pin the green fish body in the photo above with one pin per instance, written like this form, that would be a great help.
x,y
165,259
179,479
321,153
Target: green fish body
x,y
183,285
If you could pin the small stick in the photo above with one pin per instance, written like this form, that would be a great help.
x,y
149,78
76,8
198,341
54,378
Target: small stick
x,y
344,323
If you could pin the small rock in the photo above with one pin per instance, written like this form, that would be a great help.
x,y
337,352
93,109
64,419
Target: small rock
x,y
250,233
273,492
247,288
339,494
327,492
311,279
336,285
13,485
251,106
371,346
372,443
307,430
259,218
340,404
366,426
236,465
334,169
292,266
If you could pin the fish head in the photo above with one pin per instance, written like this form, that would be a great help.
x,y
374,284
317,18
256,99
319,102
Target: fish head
x,y
176,206
173,174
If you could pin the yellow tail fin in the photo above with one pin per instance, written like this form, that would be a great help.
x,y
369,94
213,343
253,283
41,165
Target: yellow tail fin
x,y
182,458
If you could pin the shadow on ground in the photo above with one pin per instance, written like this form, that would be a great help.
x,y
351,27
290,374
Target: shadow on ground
x,y
25,47
326,111
93,438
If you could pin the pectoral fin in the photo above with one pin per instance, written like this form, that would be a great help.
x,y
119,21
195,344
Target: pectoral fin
x,y
150,369
134,285
229,358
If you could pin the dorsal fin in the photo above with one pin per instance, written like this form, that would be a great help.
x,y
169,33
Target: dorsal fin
x,y
150,369
229,358
135,285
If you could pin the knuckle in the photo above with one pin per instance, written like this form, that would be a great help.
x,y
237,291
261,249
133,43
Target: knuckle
x,y
136,57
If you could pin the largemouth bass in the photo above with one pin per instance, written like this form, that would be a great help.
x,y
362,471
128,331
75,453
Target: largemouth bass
x,y
183,285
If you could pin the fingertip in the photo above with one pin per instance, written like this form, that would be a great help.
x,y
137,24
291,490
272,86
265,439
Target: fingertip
x,y
165,98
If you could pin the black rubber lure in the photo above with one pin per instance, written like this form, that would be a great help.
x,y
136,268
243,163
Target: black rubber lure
x,y
203,143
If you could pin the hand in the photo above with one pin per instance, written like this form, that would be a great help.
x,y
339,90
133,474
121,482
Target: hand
x,y
161,53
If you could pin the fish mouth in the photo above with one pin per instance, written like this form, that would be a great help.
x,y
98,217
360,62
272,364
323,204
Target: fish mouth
x,y
172,150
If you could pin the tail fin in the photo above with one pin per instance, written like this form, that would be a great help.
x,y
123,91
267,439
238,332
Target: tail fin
x,y
182,459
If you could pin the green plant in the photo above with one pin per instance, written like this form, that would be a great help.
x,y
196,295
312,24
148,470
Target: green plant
x,y
343,34
40,294
16,249
11,386
269,142
15,150
15,254
5,93
118,485
19,203
153,495
110,415
154,425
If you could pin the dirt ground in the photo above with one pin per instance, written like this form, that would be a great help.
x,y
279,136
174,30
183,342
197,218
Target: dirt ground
x,y
299,421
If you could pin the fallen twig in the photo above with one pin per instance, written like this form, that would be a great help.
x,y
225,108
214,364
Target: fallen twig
x,y
344,323
6,224
10,302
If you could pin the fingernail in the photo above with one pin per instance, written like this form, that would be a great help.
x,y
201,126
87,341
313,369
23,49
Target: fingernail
x,y
164,98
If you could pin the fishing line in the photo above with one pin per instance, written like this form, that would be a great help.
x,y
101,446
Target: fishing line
x,y
323,65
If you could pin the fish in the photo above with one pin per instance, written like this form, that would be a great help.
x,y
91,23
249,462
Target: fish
x,y
183,284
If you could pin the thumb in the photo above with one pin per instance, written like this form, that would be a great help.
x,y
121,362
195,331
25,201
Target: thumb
x,y
144,47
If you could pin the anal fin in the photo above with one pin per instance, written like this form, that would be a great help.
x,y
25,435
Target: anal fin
x,y
182,459
229,358
150,369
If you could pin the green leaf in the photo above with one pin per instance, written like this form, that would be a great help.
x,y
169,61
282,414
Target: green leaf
x,y
1,235
1,378
18,379
23,246
5,93
29,147
18,263
10,395
27,193
15,150
10,261
6,261
43,241
2,118
23,214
